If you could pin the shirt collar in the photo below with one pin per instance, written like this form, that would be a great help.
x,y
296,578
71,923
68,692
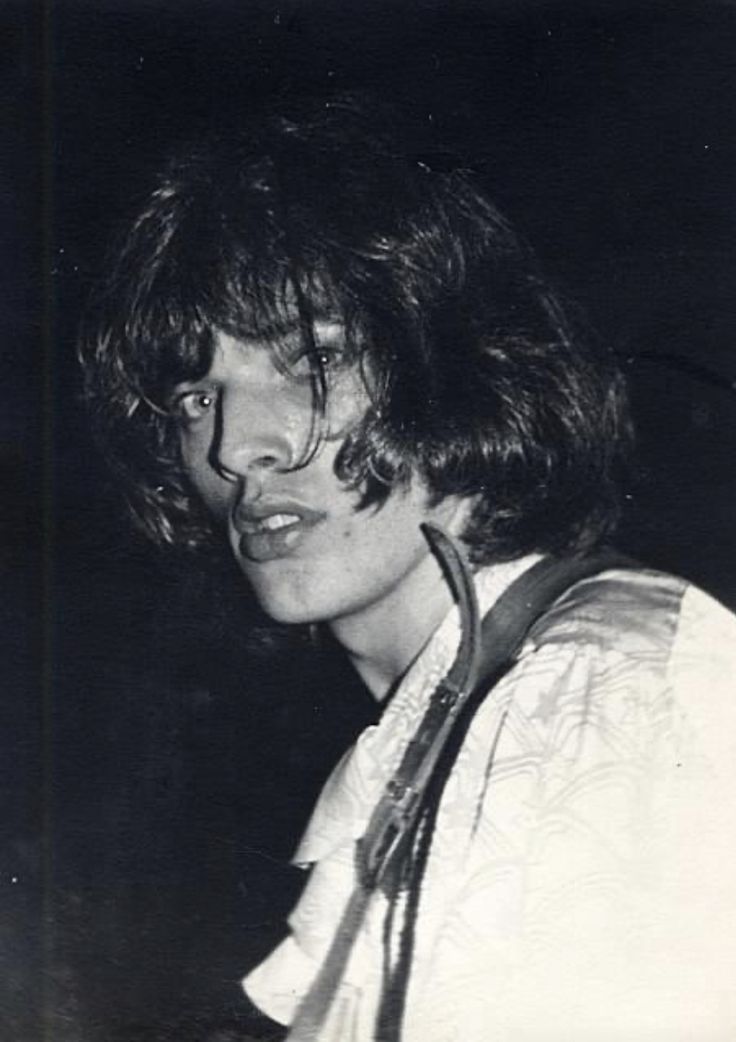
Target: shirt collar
x,y
350,794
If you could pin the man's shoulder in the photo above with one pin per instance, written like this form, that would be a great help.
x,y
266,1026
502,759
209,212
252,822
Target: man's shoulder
x,y
632,610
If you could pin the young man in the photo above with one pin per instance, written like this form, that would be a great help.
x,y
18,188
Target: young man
x,y
316,345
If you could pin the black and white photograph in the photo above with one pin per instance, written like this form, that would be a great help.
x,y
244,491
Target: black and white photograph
x,y
368,444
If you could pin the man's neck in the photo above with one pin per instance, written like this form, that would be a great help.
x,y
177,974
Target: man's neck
x,y
383,640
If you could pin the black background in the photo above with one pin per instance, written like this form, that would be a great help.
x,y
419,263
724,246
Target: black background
x,y
156,767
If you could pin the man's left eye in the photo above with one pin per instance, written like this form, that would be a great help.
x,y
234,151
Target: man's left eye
x,y
327,359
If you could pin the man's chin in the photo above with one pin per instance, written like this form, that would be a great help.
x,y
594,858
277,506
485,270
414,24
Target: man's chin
x,y
279,602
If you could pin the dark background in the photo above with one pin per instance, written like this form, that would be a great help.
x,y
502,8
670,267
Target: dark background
x,y
156,764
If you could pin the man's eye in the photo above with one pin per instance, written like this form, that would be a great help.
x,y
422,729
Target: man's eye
x,y
193,405
327,359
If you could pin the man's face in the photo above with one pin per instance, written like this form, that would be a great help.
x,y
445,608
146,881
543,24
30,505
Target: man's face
x,y
308,553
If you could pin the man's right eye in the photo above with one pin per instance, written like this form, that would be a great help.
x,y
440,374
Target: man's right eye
x,y
193,405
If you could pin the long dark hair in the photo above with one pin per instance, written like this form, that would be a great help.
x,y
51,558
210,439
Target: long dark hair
x,y
478,382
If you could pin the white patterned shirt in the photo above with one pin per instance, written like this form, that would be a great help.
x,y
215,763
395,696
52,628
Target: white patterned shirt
x,y
581,883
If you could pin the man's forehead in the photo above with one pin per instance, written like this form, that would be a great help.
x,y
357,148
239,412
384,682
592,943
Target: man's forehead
x,y
321,327
273,311
324,329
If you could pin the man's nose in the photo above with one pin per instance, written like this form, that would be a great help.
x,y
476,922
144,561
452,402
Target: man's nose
x,y
256,433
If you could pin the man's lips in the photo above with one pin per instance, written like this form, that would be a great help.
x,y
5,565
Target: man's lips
x,y
269,530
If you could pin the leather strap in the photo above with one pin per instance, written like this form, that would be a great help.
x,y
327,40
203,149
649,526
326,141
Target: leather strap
x,y
525,601
397,807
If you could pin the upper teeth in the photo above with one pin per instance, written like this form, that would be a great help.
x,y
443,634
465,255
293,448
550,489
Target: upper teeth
x,y
279,521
